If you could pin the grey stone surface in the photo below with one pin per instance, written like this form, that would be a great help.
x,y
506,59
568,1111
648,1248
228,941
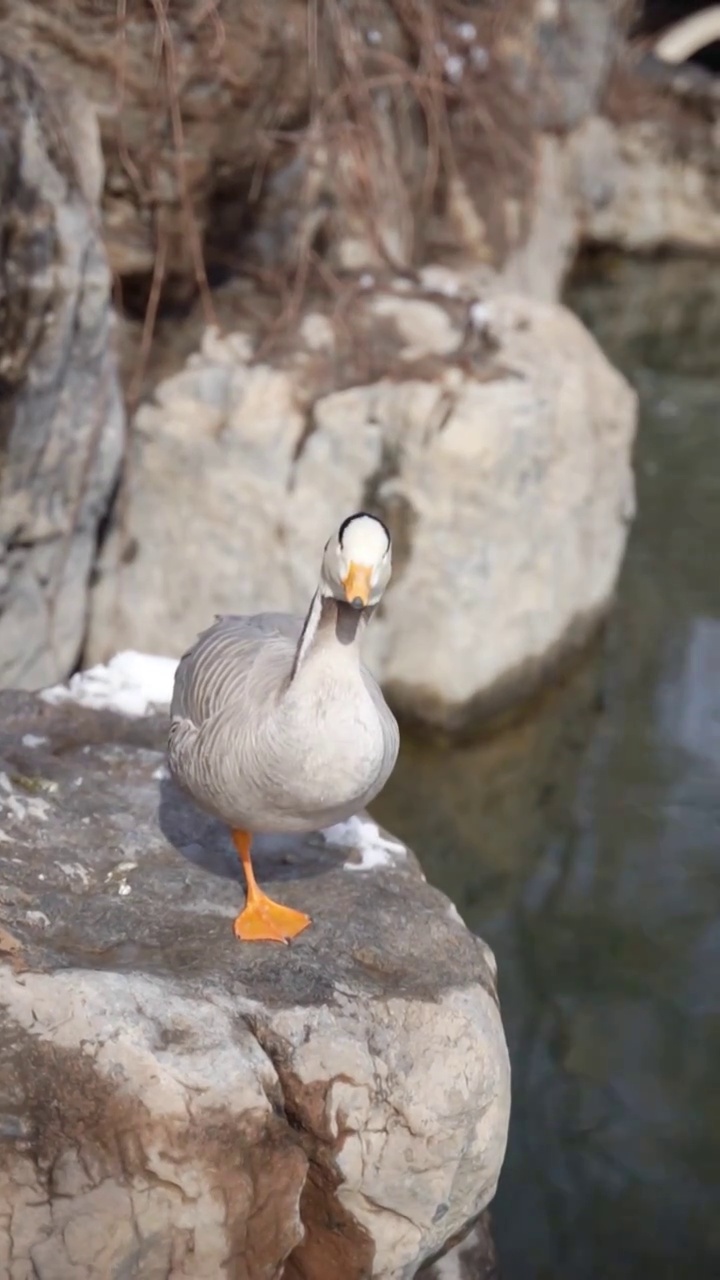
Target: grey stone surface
x,y
176,1104
578,45
652,182
61,414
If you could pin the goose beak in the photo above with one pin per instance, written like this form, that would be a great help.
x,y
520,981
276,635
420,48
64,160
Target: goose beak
x,y
357,585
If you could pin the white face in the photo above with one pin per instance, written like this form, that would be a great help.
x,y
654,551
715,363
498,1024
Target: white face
x,y
357,562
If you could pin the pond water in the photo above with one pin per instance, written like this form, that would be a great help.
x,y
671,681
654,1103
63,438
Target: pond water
x,y
584,845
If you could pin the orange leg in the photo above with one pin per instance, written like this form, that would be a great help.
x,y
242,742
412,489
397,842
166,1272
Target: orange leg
x,y
261,919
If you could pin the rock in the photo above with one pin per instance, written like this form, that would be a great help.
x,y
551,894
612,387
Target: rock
x,y
636,168
173,1103
645,194
542,263
61,415
647,172
490,432
578,47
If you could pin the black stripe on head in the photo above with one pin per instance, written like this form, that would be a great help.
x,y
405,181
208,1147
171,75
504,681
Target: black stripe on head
x,y
359,515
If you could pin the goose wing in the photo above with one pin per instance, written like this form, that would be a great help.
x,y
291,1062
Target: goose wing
x,y
237,656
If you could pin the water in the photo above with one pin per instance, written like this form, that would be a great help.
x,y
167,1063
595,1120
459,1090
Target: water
x,y
585,846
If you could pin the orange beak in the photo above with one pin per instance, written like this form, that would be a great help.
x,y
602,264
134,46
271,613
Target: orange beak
x,y
357,585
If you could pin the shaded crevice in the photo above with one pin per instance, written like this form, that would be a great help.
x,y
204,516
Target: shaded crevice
x,y
309,428
335,1244
382,499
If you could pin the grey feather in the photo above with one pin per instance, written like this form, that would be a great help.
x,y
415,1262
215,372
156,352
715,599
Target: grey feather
x,y
269,745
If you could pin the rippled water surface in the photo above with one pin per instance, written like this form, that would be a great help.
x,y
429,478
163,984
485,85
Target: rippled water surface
x,y
585,847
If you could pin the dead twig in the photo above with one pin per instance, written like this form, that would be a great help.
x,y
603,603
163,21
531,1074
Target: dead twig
x,y
160,8
126,159
150,318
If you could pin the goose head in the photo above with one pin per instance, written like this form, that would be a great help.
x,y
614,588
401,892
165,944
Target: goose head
x,y
357,562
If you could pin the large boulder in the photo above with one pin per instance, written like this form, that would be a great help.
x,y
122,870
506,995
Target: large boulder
x,y
647,169
172,1102
493,436
61,413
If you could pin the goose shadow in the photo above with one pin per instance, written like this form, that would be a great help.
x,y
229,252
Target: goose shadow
x,y
206,843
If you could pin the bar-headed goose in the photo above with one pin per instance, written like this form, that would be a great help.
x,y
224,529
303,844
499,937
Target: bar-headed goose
x,y
276,724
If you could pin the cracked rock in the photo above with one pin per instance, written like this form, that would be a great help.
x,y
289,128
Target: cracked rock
x,y
177,1106
61,412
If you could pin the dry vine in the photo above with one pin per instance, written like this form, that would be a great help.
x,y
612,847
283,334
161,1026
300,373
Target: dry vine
x,y
350,85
